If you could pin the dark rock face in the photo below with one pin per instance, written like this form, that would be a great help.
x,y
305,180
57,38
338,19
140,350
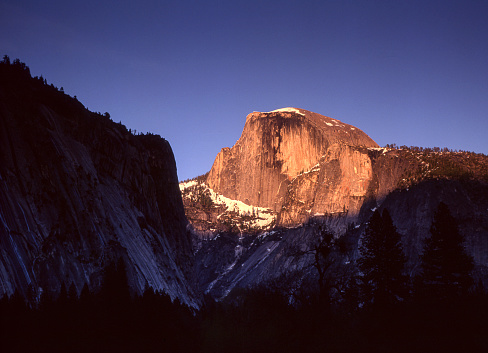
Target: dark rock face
x,y
311,169
78,191
283,255
413,210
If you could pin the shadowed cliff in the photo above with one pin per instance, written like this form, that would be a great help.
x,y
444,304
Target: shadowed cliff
x,y
308,171
78,191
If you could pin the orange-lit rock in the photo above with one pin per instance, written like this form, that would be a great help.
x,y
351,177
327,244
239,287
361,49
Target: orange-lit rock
x,y
298,159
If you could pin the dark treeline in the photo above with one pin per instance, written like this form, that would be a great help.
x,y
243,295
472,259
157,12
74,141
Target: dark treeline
x,y
262,320
110,320
16,75
427,149
380,309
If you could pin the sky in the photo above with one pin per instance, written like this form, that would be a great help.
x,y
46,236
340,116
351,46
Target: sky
x,y
408,72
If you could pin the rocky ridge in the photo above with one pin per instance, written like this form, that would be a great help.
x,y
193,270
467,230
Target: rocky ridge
x,y
339,187
274,148
296,163
210,212
78,191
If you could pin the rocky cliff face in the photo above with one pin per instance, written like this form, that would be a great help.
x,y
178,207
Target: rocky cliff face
x,y
303,165
309,170
339,183
283,257
78,191
275,148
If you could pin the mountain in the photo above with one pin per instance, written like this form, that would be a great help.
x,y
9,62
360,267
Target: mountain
x,y
302,171
274,149
289,165
78,192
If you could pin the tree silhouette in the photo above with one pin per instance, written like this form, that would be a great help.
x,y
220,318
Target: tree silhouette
x,y
322,262
382,261
446,266
115,289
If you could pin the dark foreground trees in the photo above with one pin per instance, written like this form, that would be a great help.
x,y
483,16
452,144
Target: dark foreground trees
x,y
110,320
382,262
265,320
445,264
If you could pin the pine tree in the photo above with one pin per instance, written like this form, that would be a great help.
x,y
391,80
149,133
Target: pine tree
x,y
446,266
322,262
115,288
382,261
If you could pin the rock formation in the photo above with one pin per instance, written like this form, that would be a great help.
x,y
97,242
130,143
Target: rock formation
x,y
275,148
78,191
309,169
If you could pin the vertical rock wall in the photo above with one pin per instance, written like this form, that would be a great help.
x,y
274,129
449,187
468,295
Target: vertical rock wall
x,y
278,147
78,191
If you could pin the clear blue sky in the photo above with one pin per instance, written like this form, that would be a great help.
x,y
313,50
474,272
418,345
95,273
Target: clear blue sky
x,y
406,72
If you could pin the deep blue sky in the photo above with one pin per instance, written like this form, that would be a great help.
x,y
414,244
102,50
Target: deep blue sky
x,y
406,72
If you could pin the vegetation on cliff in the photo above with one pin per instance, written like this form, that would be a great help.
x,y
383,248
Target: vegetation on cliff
x,y
440,163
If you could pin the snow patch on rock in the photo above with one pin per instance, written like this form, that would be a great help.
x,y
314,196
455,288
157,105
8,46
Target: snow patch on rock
x,y
254,217
383,150
188,184
286,110
264,216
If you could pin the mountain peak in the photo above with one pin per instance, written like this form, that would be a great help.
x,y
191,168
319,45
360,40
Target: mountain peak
x,y
285,110
274,148
327,125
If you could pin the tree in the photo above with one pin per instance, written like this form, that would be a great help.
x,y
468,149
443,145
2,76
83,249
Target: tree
x,y
326,251
115,288
322,262
382,261
446,266
72,293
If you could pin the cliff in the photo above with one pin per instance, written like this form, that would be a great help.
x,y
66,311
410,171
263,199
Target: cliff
x,y
295,163
78,191
302,165
274,148
309,170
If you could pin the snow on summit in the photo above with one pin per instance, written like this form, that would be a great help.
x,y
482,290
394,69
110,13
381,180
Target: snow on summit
x,y
287,110
284,110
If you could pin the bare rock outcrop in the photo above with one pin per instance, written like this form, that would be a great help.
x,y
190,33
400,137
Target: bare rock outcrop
x,y
293,161
78,191
313,171
339,184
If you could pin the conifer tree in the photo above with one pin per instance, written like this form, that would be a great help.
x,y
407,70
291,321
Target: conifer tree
x,y
115,288
446,266
322,262
382,261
